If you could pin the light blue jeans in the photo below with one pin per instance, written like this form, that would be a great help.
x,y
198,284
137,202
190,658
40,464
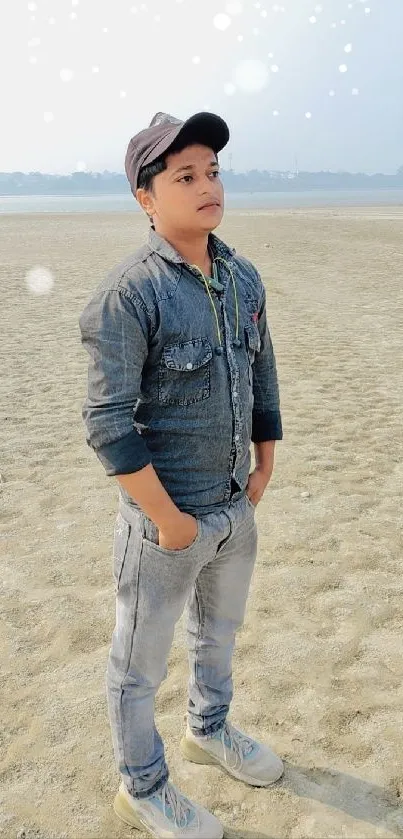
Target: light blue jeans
x,y
152,586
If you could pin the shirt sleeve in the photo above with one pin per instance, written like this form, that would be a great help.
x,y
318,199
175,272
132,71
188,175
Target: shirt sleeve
x,y
114,331
266,415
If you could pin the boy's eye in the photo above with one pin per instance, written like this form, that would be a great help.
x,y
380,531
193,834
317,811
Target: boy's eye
x,y
184,177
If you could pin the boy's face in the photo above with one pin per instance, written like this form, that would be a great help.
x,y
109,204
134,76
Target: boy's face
x,y
180,193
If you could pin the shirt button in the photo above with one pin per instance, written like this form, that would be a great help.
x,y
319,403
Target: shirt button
x,y
235,393
236,437
189,366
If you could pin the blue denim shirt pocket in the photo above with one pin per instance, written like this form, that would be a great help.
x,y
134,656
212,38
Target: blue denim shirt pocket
x,y
184,375
253,341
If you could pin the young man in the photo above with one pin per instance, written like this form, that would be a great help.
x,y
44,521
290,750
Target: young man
x,y
182,377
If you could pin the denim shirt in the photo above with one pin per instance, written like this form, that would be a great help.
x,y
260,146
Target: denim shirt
x,y
161,391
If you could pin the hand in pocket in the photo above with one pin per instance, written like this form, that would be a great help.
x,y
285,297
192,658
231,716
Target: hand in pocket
x,y
183,537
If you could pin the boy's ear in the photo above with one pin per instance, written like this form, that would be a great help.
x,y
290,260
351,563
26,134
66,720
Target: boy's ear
x,y
145,200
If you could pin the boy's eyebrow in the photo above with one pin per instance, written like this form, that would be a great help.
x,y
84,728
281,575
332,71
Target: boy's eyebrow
x,y
191,166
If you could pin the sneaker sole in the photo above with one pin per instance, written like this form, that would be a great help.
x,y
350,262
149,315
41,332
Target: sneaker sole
x,y
192,752
123,810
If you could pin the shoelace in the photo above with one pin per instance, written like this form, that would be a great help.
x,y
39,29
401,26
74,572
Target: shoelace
x,y
239,745
177,803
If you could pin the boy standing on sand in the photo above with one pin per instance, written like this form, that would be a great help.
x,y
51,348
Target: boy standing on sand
x,y
181,379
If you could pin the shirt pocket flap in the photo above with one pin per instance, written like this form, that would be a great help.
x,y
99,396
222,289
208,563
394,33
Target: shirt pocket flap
x,y
188,356
253,337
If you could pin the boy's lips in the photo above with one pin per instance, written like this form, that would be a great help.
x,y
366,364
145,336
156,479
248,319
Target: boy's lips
x,y
210,205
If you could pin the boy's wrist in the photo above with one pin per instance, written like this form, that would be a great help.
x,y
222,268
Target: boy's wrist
x,y
145,487
264,456
169,520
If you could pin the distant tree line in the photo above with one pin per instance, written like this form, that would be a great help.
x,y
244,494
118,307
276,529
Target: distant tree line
x,y
115,183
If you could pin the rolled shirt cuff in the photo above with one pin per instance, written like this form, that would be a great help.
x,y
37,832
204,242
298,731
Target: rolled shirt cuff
x,y
124,456
266,425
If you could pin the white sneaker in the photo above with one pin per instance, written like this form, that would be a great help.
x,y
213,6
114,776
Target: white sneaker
x,y
167,814
238,754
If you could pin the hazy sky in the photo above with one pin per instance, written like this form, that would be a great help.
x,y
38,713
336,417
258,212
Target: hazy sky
x,y
320,81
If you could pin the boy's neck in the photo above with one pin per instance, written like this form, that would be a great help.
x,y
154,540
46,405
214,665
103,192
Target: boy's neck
x,y
194,250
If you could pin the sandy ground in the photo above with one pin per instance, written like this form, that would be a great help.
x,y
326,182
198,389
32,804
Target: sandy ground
x,y
318,668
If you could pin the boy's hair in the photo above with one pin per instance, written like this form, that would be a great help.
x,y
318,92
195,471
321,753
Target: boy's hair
x,y
148,173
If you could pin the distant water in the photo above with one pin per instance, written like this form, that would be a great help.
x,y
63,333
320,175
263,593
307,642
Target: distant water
x,y
233,200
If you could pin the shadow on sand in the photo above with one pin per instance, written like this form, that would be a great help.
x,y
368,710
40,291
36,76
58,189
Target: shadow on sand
x,y
349,794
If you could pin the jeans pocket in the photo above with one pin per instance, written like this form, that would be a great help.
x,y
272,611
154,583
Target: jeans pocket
x,y
120,547
150,543
249,502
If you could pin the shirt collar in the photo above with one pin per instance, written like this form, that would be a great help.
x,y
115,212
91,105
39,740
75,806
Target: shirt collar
x,y
160,245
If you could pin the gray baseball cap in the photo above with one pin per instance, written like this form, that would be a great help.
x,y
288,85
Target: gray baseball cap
x,y
209,129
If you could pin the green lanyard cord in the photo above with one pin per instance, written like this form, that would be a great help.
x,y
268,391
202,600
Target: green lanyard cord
x,y
196,267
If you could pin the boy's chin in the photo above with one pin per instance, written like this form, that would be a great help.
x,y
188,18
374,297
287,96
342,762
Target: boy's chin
x,y
211,225
198,225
